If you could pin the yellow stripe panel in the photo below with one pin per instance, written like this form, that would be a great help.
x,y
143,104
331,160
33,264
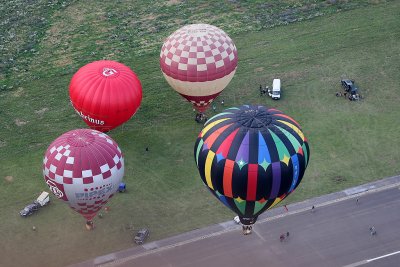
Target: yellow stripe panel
x,y
277,200
209,160
208,127
297,130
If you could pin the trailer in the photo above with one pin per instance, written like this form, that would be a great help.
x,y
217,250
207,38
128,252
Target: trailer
x,y
43,199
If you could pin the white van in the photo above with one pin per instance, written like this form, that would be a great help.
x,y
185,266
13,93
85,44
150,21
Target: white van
x,y
275,93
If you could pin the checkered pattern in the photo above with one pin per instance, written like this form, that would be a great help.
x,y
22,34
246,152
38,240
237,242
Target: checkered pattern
x,y
89,210
87,166
198,53
201,103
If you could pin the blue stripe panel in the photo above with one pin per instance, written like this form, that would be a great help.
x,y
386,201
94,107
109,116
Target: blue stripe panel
x,y
263,152
296,168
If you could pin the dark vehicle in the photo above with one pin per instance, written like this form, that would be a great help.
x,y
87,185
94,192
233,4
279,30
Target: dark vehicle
x,y
141,236
349,86
122,187
28,210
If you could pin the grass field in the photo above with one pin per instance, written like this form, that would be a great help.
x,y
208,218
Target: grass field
x,y
315,44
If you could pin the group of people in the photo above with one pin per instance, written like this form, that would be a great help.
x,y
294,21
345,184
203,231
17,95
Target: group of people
x,y
284,236
200,118
263,90
351,97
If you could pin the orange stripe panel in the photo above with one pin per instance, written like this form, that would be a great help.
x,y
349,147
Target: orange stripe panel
x,y
227,180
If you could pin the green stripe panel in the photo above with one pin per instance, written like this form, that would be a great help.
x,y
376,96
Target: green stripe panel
x,y
296,145
305,151
241,206
258,206
282,150
199,147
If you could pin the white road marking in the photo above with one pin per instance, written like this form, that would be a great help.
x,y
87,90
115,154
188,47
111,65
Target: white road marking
x,y
259,235
359,263
384,256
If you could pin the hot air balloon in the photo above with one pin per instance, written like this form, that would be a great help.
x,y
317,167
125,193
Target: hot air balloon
x,y
251,158
83,168
105,94
198,61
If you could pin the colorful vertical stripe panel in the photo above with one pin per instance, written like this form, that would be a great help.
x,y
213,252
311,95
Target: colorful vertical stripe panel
x,y
251,158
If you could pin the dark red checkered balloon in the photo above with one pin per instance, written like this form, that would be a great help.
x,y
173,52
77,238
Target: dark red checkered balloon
x,y
84,169
198,61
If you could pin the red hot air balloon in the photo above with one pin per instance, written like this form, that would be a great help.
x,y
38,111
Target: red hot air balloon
x,y
198,61
105,94
83,168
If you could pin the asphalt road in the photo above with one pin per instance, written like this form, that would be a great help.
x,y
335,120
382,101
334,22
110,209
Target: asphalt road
x,y
335,234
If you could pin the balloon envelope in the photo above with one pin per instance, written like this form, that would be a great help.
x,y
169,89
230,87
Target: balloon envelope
x,y
105,94
83,168
198,61
251,158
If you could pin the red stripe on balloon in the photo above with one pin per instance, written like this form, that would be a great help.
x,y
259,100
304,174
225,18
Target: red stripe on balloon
x,y
226,145
227,180
211,139
252,182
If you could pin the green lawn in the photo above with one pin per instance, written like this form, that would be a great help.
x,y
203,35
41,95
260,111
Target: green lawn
x,y
351,142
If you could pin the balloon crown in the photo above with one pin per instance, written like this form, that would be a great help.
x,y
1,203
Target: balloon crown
x,y
254,117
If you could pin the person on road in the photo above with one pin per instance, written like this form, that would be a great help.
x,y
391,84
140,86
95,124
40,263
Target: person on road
x,y
284,206
282,237
372,230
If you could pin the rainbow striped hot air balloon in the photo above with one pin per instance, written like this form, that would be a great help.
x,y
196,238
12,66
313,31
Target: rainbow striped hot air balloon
x,y
251,158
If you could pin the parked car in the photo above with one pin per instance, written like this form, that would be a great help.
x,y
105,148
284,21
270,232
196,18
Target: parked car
x,y
141,236
29,209
349,86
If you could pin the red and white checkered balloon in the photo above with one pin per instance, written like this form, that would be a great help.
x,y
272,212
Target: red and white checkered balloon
x,y
83,168
198,61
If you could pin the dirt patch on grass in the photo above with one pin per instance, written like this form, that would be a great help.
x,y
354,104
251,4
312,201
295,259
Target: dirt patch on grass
x,y
294,74
173,2
260,69
19,122
66,61
9,178
40,112
18,92
339,179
